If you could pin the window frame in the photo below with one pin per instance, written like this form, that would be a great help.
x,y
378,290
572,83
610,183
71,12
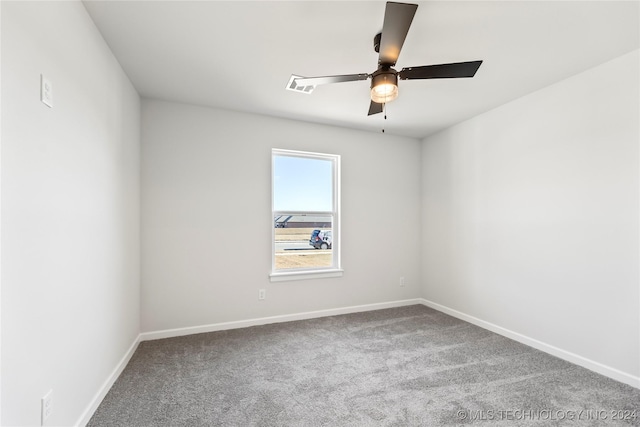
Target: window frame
x,y
314,272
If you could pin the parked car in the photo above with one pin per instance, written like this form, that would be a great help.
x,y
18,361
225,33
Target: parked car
x,y
321,239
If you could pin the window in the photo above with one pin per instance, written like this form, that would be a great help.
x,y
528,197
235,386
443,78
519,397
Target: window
x,y
306,216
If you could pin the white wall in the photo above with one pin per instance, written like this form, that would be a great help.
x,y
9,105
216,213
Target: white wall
x,y
206,216
530,216
70,212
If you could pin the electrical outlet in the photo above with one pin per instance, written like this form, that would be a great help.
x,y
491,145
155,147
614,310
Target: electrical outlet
x,y
262,294
402,281
46,404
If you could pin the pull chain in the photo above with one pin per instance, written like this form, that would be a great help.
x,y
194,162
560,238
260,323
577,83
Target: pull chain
x,y
384,109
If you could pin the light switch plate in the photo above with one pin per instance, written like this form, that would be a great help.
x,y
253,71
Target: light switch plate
x,y
46,404
46,91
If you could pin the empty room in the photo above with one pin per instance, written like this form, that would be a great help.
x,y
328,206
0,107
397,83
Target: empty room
x,y
319,213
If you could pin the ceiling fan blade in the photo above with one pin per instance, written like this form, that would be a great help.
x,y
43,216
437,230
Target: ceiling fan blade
x,y
441,71
397,20
374,108
314,81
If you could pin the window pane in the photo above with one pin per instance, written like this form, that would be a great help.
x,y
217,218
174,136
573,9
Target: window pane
x,y
302,184
303,241
305,190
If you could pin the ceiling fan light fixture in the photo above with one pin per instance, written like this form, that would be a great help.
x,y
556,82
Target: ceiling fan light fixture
x,y
384,87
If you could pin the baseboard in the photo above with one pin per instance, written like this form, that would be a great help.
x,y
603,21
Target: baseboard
x,y
106,386
605,370
169,333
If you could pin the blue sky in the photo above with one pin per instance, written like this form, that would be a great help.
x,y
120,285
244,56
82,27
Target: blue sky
x,y
302,184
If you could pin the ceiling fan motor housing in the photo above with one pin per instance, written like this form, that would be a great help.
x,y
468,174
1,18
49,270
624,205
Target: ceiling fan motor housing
x,y
384,72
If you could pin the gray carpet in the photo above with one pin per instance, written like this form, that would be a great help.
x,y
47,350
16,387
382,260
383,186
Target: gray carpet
x,y
408,366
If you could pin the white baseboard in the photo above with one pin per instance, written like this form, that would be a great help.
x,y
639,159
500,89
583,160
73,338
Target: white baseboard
x,y
106,386
605,370
169,333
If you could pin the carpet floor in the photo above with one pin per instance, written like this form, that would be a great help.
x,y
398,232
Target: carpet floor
x,y
407,366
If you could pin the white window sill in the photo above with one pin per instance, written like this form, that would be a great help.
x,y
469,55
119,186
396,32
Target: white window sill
x,y
304,275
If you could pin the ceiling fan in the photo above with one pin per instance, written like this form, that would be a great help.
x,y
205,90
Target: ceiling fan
x,y
388,43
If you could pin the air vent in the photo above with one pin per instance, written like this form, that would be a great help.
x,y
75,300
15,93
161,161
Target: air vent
x,y
297,88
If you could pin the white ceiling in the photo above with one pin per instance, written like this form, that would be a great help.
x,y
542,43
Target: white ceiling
x,y
239,55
